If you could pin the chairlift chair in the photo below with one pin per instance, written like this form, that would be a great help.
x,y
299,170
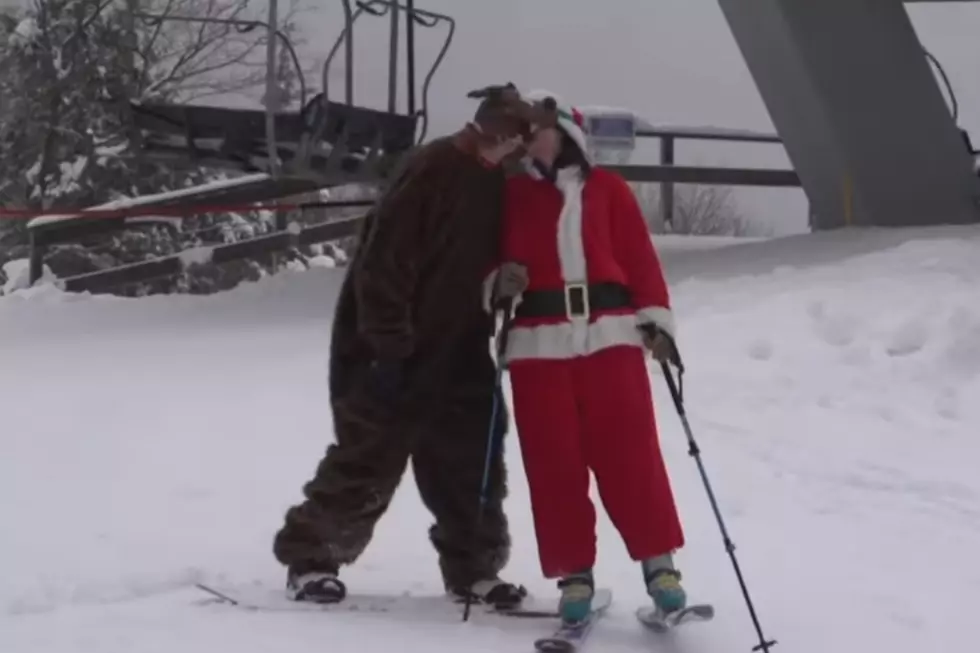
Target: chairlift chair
x,y
342,143
325,143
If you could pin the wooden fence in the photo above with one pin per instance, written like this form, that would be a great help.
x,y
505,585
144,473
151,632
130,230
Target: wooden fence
x,y
666,173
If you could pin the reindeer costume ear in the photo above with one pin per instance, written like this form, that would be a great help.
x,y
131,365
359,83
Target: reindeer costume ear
x,y
496,91
502,113
544,113
566,117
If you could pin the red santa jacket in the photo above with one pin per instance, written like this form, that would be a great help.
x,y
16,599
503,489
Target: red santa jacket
x,y
571,232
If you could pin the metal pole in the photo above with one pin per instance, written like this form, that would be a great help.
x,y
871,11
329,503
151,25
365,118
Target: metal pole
x,y
271,90
493,432
676,393
667,188
349,51
393,61
410,54
272,105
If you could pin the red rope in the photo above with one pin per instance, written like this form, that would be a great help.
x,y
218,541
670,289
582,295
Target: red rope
x,y
173,211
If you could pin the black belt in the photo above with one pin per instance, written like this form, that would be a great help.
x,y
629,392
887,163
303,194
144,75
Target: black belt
x,y
575,300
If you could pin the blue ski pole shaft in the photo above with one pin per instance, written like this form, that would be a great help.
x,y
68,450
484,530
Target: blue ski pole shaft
x,y
695,452
491,438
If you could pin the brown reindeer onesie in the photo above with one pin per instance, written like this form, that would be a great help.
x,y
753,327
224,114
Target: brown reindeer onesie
x,y
412,378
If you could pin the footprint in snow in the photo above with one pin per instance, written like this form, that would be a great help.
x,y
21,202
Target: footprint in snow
x,y
760,350
909,338
837,329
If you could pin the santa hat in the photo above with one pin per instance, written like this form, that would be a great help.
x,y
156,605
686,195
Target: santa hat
x,y
570,120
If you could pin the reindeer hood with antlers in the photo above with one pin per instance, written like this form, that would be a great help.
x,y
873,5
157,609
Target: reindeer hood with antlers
x,y
504,113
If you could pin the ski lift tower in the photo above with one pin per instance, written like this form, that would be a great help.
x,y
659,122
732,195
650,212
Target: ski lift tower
x,y
858,110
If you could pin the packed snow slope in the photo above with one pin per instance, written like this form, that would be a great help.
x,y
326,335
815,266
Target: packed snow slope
x,y
834,386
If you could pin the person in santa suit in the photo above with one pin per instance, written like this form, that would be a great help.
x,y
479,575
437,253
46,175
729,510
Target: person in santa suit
x,y
591,303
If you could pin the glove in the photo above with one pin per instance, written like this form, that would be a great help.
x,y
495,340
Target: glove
x,y
512,280
661,345
385,378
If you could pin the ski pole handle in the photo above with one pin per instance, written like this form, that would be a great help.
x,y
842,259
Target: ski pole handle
x,y
507,308
676,388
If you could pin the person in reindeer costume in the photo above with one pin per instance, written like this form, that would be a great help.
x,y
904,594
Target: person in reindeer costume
x,y
412,380
591,300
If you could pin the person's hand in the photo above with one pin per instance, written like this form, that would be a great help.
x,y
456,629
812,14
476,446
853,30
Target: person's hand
x,y
512,280
660,345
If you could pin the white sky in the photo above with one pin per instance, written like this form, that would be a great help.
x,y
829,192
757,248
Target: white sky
x,y
672,61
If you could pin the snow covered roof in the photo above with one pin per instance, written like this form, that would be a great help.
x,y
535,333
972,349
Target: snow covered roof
x,y
162,199
646,128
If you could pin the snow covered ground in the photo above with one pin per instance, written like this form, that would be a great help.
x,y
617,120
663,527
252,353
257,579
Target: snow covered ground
x,y
834,386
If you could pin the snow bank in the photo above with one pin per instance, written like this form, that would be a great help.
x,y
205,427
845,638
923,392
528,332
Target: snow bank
x,y
832,385
17,274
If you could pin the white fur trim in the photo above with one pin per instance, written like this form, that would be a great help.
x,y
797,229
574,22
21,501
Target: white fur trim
x,y
488,283
571,249
566,340
662,317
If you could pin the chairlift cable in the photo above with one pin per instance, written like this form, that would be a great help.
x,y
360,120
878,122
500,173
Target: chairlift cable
x,y
954,104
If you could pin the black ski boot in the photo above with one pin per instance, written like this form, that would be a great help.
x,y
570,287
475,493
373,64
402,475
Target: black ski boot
x,y
315,587
498,594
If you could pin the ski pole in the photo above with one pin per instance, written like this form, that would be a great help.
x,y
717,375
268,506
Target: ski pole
x,y
491,434
695,452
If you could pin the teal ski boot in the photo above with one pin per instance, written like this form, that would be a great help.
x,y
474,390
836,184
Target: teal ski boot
x,y
664,587
577,591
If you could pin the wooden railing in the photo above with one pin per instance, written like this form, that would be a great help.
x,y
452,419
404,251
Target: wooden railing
x,y
667,173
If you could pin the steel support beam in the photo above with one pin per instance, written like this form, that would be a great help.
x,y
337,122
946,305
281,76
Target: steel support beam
x,y
862,118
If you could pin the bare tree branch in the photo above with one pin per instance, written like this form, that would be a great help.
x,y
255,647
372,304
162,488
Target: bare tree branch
x,y
70,67
698,210
186,56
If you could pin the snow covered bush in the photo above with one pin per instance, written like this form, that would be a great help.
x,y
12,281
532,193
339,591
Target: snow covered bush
x,y
14,276
698,211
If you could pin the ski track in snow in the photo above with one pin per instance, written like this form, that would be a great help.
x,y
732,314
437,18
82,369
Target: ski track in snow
x,y
833,386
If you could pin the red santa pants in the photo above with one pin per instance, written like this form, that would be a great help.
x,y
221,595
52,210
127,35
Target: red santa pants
x,y
593,412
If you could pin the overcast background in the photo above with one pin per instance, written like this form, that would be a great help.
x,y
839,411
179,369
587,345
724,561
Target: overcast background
x,y
672,61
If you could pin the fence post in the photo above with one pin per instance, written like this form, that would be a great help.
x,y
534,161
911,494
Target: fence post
x,y
667,188
36,265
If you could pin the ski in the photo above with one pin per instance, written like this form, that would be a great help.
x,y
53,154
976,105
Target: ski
x,y
569,638
258,598
653,619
